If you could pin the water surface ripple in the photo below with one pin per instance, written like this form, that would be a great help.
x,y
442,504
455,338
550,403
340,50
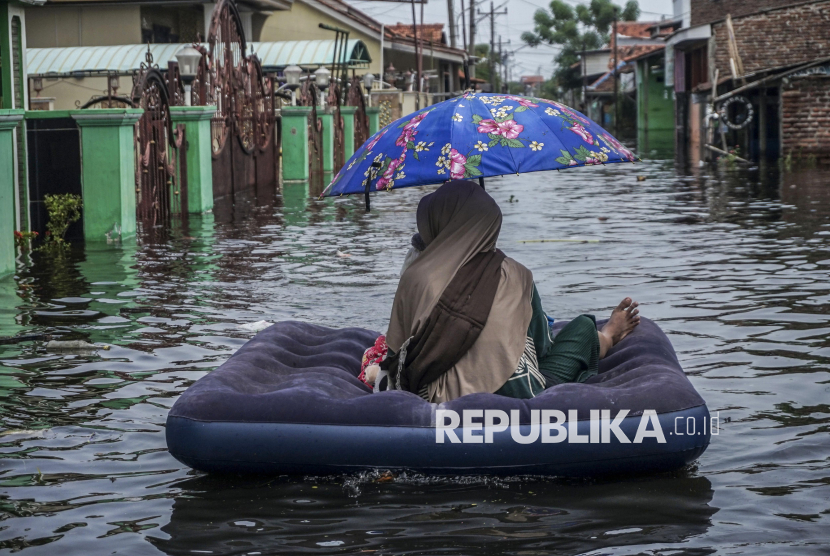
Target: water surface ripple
x,y
732,265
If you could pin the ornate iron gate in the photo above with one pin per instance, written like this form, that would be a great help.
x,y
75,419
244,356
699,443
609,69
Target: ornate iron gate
x,y
309,96
245,150
361,119
333,101
161,168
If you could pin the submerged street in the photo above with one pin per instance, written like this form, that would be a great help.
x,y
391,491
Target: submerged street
x,y
731,263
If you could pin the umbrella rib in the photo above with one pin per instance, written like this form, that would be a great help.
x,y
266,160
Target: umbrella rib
x,y
544,123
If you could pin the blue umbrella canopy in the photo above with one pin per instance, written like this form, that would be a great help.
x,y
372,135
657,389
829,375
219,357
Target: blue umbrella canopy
x,y
477,135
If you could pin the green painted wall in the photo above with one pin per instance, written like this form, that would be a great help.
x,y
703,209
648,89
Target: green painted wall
x,y
348,130
6,96
196,120
107,170
655,107
327,119
374,119
295,143
9,119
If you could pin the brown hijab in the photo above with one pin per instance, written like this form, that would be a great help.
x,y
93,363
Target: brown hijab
x,y
456,222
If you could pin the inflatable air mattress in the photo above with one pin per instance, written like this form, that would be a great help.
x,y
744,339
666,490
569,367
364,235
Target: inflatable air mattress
x,y
289,401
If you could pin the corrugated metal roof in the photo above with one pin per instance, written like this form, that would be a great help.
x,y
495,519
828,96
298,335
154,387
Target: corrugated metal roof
x,y
128,58
307,53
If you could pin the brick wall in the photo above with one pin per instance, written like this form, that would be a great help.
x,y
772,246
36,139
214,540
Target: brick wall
x,y
775,38
805,118
707,11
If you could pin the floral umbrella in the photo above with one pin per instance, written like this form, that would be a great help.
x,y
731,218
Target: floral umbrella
x,y
476,135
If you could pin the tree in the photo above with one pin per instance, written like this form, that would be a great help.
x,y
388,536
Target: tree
x,y
575,28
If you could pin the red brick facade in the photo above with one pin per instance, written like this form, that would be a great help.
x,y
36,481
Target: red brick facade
x,y
775,38
805,118
707,11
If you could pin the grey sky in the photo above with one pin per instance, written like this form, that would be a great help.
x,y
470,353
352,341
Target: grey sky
x,y
519,18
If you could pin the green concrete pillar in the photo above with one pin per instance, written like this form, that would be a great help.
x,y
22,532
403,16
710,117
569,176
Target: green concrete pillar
x,y
108,170
348,130
196,120
327,119
374,119
295,143
9,120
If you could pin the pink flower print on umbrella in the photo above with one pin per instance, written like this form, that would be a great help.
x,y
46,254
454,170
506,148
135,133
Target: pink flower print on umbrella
x,y
617,146
409,133
386,179
582,132
488,126
373,142
457,162
526,102
509,129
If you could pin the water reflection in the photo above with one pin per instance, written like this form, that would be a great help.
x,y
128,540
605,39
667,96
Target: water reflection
x,y
506,516
731,263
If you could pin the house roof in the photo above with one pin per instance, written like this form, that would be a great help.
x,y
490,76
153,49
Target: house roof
x,y
532,79
605,84
265,5
399,39
637,51
128,58
429,32
639,29
632,30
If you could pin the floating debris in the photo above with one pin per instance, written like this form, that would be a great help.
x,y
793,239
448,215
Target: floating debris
x,y
343,255
256,326
73,345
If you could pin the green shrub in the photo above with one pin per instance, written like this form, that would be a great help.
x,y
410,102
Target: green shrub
x,y
64,210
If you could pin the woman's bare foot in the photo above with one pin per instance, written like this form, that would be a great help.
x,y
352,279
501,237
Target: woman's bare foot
x,y
623,320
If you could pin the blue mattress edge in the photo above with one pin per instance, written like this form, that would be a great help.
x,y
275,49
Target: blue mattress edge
x,y
314,449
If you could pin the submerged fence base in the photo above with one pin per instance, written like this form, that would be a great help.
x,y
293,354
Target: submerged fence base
x,y
196,120
9,120
108,170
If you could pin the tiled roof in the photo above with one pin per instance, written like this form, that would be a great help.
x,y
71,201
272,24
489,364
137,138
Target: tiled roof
x,y
630,53
633,29
429,32
639,29
531,79
604,84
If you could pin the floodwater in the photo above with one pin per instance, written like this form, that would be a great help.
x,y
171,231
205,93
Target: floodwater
x,y
732,264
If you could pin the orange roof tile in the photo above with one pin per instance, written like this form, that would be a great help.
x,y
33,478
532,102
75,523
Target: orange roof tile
x,y
429,32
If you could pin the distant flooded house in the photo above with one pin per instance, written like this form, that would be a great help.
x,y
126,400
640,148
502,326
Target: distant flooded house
x,y
753,78
607,90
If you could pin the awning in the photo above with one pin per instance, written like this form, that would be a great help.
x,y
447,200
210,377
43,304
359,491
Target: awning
x,y
275,55
125,59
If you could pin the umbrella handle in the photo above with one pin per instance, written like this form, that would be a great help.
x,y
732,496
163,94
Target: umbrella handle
x,y
367,184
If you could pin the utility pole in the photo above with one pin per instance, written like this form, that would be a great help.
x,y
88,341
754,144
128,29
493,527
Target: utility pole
x,y
503,71
451,15
471,46
417,52
584,89
491,58
616,77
